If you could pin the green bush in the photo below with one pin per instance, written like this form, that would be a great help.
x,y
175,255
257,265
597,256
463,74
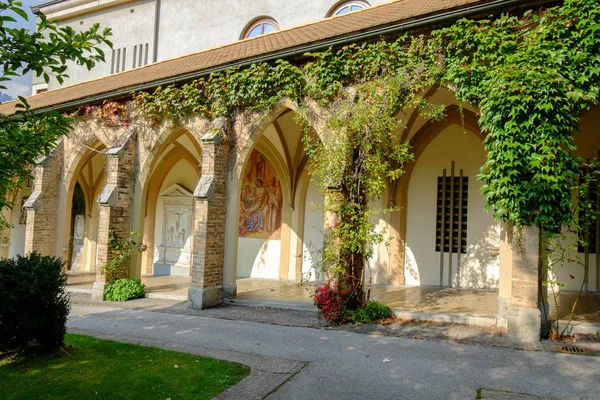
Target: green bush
x,y
34,304
124,289
372,312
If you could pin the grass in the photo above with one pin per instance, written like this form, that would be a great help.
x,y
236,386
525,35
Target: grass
x,y
91,368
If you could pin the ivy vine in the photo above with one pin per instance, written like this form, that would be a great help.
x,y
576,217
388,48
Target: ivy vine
x,y
529,75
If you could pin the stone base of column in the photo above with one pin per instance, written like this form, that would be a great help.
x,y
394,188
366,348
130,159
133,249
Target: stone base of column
x,y
98,291
201,298
229,291
503,312
526,324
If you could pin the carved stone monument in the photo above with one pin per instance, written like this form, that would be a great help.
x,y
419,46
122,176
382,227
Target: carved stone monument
x,y
172,254
78,236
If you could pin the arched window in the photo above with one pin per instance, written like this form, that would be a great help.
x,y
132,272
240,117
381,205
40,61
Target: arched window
x,y
260,27
348,6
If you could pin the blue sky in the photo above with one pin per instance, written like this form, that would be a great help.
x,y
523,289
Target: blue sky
x,y
21,86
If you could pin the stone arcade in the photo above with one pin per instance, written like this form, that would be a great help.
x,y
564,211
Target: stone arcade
x,y
232,198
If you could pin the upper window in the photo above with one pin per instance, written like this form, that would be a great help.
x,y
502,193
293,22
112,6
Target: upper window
x,y
348,6
260,27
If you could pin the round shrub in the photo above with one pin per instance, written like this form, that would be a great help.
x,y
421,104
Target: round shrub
x,y
34,304
373,311
124,289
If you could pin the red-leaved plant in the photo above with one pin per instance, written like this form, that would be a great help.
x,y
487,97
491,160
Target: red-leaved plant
x,y
329,301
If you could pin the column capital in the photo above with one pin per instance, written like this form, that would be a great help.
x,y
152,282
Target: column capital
x,y
205,190
219,132
122,144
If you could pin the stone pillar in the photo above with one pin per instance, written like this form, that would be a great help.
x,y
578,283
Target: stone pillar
x,y
505,279
210,213
526,317
42,205
115,204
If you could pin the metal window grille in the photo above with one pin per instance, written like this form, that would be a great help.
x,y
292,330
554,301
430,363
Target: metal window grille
x,y
451,216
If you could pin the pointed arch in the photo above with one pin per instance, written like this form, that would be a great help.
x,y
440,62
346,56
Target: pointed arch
x,y
170,149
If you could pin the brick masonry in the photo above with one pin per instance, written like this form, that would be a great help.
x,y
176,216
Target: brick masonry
x,y
42,206
210,212
117,209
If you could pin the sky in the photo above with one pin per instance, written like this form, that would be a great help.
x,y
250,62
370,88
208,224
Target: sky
x,y
20,86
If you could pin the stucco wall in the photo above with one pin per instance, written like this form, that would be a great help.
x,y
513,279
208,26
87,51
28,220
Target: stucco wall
x,y
258,258
379,262
588,145
479,267
129,29
313,232
17,235
185,26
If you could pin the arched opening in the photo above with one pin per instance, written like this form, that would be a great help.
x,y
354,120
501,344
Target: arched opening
x,y
168,205
277,209
450,239
83,183
259,230
77,229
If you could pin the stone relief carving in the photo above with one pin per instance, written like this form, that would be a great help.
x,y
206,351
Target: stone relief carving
x,y
174,249
79,229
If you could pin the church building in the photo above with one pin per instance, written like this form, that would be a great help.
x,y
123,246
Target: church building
x,y
241,204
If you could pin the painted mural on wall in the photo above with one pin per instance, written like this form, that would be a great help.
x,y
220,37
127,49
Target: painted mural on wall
x,y
261,200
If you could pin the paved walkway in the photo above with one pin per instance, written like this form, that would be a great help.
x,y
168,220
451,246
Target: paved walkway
x,y
470,306
337,363
423,299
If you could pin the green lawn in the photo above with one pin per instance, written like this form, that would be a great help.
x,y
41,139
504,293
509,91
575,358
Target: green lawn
x,y
102,369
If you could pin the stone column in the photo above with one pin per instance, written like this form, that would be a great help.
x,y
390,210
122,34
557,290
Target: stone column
x,y
505,280
42,205
210,213
115,204
526,317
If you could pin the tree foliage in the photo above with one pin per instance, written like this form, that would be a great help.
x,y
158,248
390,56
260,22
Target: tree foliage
x,y
27,135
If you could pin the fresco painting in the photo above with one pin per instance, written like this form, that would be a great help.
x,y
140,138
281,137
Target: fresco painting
x,y
261,200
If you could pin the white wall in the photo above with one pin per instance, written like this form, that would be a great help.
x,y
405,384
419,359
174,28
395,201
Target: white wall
x,y
186,26
258,258
191,25
379,263
17,235
313,232
17,232
588,145
129,29
479,268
